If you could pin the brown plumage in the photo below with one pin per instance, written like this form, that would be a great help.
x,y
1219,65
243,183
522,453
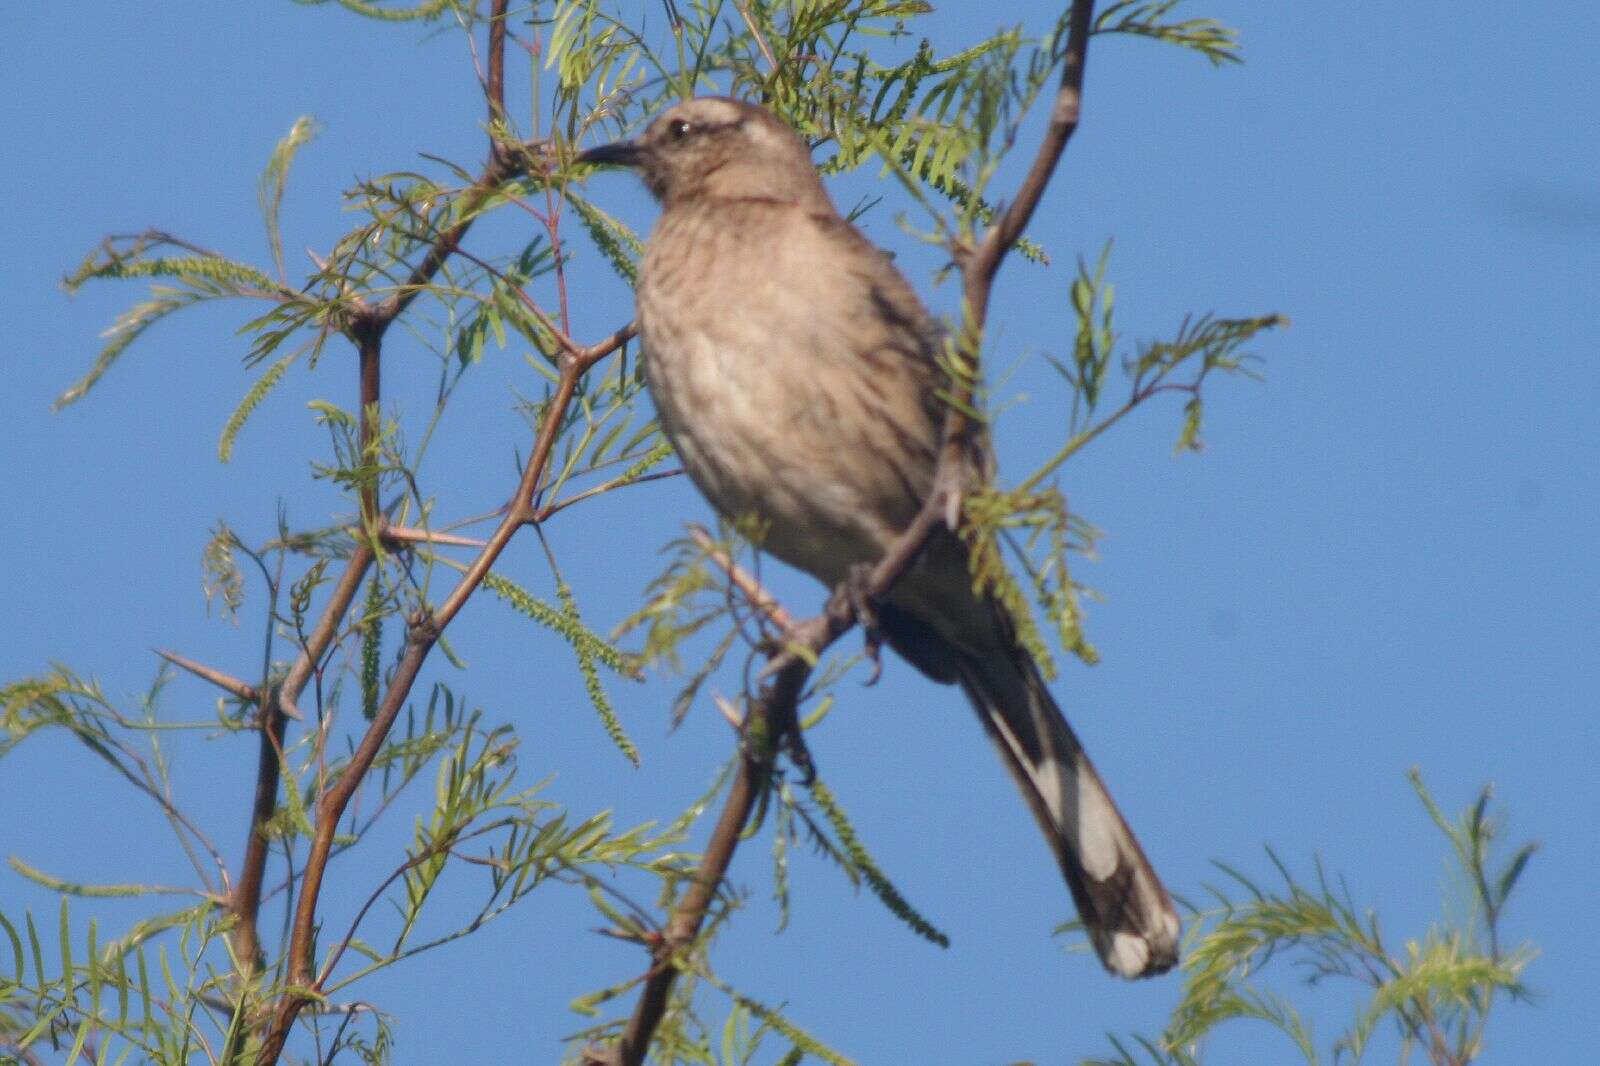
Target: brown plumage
x,y
793,369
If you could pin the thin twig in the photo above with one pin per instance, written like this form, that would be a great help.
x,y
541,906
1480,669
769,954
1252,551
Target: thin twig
x,y
743,580
558,506
980,267
441,844
760,38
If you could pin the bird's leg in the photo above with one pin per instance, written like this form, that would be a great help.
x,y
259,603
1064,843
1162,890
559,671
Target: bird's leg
x,y
794,745
761,735
858,587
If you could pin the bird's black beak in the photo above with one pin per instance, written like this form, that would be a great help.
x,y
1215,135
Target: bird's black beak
x,y
619,153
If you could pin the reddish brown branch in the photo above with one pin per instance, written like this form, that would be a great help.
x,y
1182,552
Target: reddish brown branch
x,y
244,902
495,89
369,344
503,165
980,267
366,329
690,911
774,710
421,636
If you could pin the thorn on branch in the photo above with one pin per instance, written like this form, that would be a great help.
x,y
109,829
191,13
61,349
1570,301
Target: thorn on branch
x,y
729,711
410,535
229,684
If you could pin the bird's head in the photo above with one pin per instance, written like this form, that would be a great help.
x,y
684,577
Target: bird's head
x,y
713,146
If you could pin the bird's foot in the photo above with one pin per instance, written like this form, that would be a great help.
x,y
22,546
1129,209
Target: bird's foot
x,y
858,585
794,744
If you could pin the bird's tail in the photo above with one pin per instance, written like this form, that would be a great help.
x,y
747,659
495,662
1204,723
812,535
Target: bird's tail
x,y
1129,916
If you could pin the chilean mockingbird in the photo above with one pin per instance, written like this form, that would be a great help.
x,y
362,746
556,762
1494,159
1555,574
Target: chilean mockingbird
x,y
794,371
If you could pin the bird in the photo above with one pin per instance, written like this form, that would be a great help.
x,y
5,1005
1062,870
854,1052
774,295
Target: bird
x,y
794,370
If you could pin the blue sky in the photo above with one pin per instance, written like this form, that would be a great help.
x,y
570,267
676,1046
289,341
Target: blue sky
x,y
1384,559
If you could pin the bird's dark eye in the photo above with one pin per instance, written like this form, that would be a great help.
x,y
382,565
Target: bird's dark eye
x,y
678,129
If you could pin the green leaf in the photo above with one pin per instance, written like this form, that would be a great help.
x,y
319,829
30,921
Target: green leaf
x,y
252,399
37,950
129,327
16,948
74,888
863,862
64,930
423,12
275,178
1513,871
1150,18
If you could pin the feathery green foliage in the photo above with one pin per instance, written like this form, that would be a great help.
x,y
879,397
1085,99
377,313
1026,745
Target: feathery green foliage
x,y
274,180
591,678
372,647
264,384
198,277
1435,991
565,623
222,577
618,244
861,862
1032,519
1152,18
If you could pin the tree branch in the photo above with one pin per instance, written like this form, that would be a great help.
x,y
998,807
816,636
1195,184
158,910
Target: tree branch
x,y
421,635
495,90
981,266
368,335
244,902
774,711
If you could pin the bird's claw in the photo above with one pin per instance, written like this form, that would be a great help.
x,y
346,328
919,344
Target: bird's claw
x,y
858,585
794,742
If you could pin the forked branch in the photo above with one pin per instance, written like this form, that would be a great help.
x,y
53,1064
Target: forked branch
x,y
366,329
422,634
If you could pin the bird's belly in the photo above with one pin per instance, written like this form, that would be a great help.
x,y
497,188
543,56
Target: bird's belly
x,y
774,436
